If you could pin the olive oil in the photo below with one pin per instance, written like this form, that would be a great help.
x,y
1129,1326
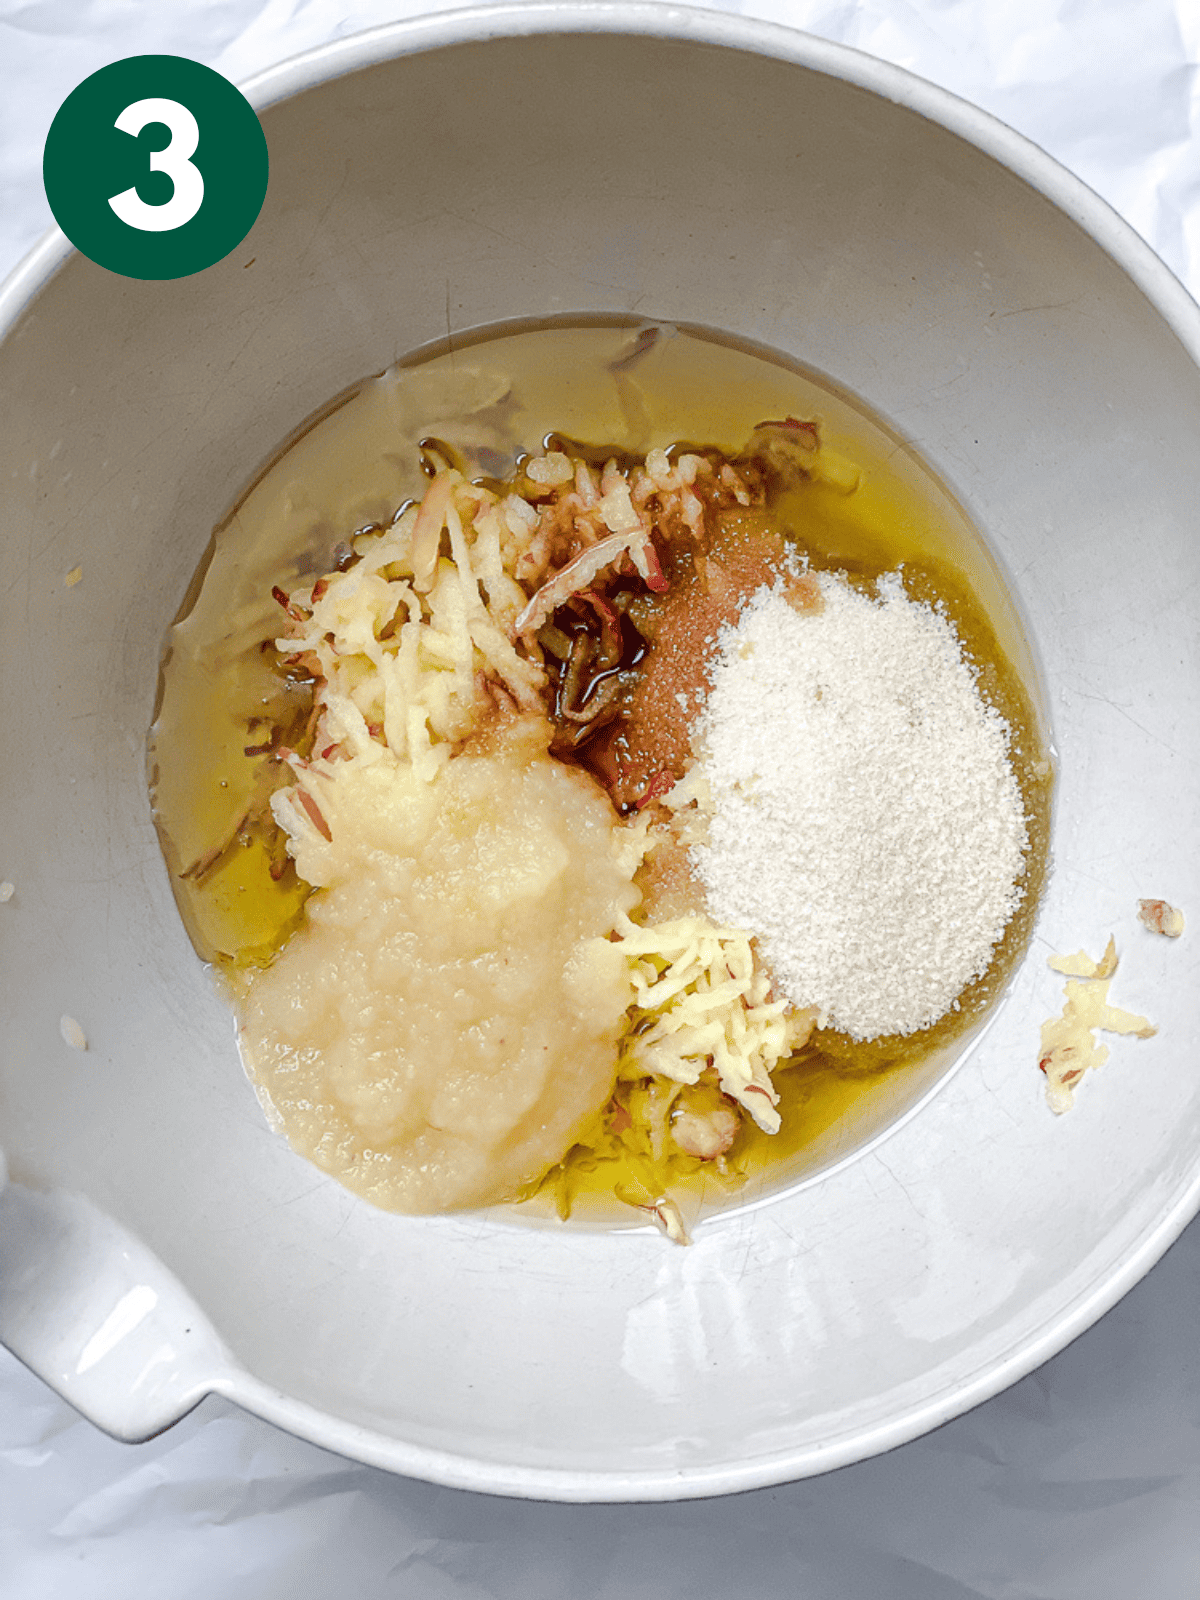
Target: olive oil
x,y
876,507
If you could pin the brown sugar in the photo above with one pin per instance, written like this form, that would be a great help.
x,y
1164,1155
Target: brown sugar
x,y
708,588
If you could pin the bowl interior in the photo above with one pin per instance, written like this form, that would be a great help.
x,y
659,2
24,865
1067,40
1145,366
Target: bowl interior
x,y
793,208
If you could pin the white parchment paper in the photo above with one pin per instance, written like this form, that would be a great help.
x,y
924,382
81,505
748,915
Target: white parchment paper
x,y
1080,1483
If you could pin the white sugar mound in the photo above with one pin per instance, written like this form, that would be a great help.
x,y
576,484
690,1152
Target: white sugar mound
x,y
867,825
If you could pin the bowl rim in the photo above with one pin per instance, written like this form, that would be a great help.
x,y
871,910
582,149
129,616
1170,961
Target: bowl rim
x,y
691,24
1169,298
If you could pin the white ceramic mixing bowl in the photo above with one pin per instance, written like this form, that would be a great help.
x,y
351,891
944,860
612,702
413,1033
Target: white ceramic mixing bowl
x,y
157,1242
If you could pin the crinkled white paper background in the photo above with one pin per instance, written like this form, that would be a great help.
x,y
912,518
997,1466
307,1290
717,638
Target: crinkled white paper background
x,y
1080,1483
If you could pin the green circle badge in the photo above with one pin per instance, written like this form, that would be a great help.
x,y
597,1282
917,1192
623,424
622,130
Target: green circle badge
x,y
155,167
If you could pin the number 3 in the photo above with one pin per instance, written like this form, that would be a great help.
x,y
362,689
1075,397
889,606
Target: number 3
x,y
173,160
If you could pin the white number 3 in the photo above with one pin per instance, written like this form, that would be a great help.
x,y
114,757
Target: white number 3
x,y
173,160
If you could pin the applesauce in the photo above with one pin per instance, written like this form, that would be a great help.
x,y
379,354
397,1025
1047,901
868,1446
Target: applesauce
x,y
447,1016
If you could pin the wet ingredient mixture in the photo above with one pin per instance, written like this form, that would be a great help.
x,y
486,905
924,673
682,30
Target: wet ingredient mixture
x,y
585,809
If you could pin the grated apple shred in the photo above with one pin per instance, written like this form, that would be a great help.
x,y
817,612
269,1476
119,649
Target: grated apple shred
x,y
1069,1044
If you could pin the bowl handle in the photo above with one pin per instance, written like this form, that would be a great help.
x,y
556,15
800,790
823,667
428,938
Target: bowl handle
x,y
96,1315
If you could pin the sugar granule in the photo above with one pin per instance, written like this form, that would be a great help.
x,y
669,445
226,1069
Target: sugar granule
x,y
867,825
